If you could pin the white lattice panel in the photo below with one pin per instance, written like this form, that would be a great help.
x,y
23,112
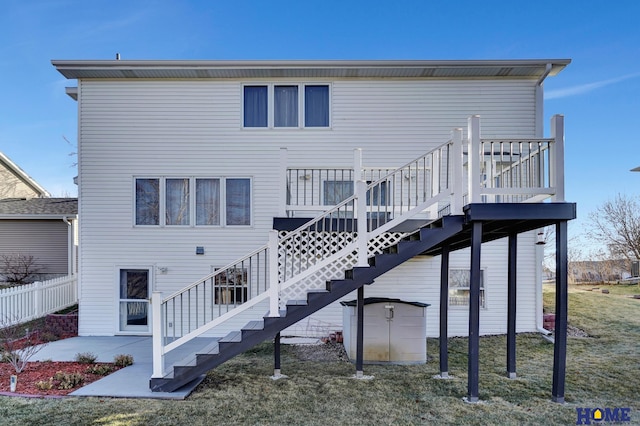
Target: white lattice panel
x,y
318,246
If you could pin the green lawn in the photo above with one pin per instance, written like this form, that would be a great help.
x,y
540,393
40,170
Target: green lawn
x,y
602,371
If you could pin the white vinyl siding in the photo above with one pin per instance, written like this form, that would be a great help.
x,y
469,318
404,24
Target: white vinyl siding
x,y
195,128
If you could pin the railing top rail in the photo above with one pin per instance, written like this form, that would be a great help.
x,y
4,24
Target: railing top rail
x,y
388,175
319,168
213,274
352,198
504,140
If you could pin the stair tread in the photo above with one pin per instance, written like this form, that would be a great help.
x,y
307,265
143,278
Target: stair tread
x,y
296,303
234,336
254,325
191,360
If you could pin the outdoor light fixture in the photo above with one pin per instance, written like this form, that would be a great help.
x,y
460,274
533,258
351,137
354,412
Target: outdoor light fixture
x,y
305,177
540,239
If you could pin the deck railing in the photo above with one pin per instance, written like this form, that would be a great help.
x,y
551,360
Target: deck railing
x,y
31,301
359,207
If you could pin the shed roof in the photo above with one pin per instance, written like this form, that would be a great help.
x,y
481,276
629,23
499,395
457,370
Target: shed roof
x,y
34,208
199,69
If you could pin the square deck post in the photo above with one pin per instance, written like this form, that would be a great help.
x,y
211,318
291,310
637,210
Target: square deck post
x,y
444,312
360,333
156,323
474,158
560,337
474,314
511,305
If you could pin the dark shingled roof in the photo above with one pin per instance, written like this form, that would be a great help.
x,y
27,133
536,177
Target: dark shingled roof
x,y
36,206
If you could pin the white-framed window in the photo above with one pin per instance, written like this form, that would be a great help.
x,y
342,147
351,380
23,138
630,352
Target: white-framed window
x,y
230,287
192,201
336,191
459,286
286,105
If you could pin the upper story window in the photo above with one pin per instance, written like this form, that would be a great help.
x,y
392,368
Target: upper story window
x,y
286,105
193,201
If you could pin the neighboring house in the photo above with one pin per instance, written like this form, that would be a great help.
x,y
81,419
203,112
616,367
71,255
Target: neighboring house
x,y
45,228
32,224
186,167
15,183
584,271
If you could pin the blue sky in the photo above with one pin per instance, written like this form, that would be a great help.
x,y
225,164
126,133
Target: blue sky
x,y
599,92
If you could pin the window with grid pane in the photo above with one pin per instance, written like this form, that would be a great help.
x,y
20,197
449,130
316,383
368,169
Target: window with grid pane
x,y
459,286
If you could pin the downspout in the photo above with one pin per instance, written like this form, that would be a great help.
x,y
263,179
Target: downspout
x,y
539,250
70,248
540,101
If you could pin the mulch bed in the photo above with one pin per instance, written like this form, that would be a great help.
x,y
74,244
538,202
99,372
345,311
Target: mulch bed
x,y
42,371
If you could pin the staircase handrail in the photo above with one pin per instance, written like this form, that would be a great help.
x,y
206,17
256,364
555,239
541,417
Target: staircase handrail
x,y
218,271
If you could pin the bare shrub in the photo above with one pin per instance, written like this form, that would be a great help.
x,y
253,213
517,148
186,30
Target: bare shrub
x,y
18,345
19,268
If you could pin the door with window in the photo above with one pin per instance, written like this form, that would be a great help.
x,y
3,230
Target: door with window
x,y
134,300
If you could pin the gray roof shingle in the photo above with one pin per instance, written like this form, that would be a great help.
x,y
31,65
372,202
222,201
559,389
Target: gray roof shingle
x,y
39,206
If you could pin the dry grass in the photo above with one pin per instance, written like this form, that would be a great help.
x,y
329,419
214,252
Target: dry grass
x,y
603,371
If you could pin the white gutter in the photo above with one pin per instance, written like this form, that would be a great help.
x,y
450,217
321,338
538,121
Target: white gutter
x,y
547,70
64,218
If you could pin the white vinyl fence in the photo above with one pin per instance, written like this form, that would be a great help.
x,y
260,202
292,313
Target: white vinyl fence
x,y
30,301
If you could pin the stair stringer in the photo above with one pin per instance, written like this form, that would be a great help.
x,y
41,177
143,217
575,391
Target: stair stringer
x,y
237,342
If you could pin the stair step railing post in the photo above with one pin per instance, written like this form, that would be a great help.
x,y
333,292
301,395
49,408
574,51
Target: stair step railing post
x,y
361,211
274,282
457,173
158,335
473,133
282,183
556,160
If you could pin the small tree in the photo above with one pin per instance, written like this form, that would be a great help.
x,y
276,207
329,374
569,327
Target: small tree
x,y
616,224
18,345
19,268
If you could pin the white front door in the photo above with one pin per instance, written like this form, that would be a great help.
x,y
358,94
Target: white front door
x,y
134,300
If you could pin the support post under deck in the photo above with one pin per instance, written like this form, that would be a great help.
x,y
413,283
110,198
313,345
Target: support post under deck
x,y
560,337
444,312
360,333
511,306
276,355
474,314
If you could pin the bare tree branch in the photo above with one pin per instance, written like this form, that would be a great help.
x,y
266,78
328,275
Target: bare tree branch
x,y
617,225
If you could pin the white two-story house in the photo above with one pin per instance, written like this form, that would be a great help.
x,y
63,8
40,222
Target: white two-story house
x,y
197,180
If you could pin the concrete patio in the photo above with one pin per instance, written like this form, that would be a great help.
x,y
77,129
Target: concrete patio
x,y
129,382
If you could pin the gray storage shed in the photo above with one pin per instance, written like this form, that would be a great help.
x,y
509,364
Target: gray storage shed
x,y
395,331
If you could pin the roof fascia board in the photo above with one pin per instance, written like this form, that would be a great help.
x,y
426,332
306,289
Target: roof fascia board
x,y
74,68
28,180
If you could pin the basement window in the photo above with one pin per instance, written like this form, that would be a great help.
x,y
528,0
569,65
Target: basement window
x,y
459,287
231,287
